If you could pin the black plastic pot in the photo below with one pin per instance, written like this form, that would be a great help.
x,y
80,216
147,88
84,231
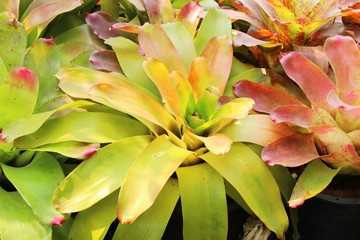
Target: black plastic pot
x,y
329,217
236,219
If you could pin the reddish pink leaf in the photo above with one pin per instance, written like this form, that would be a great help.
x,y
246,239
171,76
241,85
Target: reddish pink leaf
x,y
311,79
101,24
344,57
291,151
266,97
105,60
298,115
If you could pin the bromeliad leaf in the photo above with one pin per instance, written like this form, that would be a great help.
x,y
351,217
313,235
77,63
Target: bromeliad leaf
x,y
98,176
147,176
18,95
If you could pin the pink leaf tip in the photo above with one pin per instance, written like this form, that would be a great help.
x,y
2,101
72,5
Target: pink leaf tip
x,y
57,221
49,41
91,150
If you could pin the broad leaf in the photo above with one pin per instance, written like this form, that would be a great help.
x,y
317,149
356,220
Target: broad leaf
x,y
98,176
159,11
145,227
147,176
93,223
314,179
42,176
203,202
18,95
268,131
256,189
83,127
16,219
44,58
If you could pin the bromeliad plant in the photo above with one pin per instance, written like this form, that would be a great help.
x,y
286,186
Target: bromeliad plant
x,y
327,142
173,83
286,24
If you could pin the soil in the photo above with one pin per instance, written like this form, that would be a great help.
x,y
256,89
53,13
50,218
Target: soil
x,y
344,186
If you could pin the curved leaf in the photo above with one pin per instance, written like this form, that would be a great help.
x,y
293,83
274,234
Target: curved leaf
x,y
16,218
291,151
298,115
256,184
159,11
311,79
93,223
98,176
145,227
314,179
203,202
18,95
42,176
147,176
266,97
266,130
94,127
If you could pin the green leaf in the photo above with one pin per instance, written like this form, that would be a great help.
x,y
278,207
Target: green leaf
x,y
13,42
249,175
181,40
93,223
98,176
33,122
44,58
145,227
83,127
315,178
215,23
18,94
203,201
16,219
147,176
36,182
131,62
71,149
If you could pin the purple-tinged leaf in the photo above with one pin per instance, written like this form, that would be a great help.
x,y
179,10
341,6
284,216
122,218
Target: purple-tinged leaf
x,y
139,4
101,24
296,115
291,151
105,60
159,11
344,57
311,79
266,130
266,97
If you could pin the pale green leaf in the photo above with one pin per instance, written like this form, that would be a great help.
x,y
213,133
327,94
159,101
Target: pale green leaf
x,y
36,182
18,95
93,223
147,176
145,227
16,218
249,175
315,178
98,176
215,23
203,202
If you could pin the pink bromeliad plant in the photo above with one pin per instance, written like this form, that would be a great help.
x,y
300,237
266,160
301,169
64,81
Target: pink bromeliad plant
x,y
328,134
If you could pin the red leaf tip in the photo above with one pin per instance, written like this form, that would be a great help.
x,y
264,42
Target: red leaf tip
x,y
49,41
25,78
57,221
